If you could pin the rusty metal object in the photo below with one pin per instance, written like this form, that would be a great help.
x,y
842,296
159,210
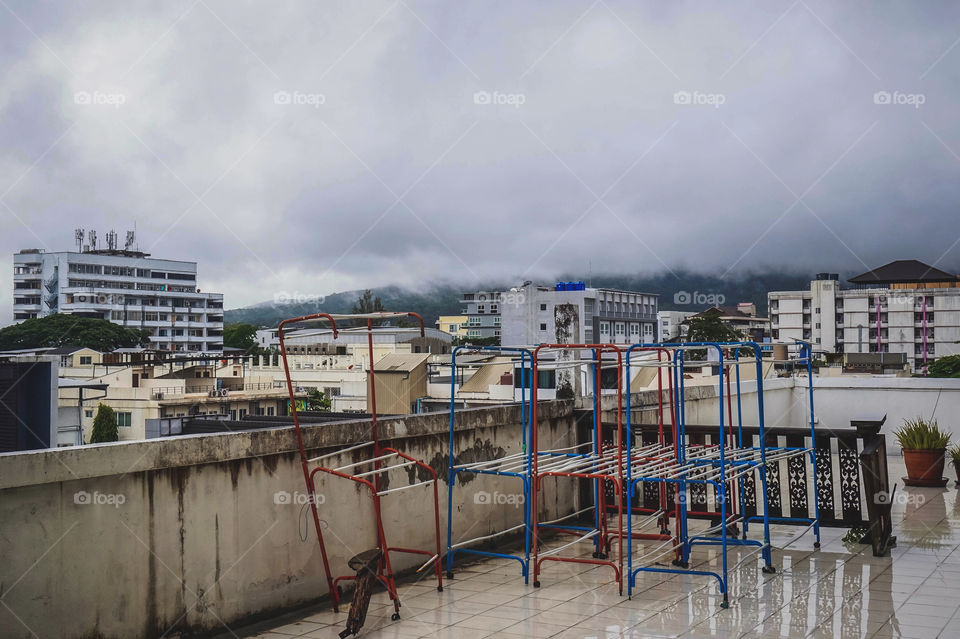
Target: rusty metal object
x,y
366,565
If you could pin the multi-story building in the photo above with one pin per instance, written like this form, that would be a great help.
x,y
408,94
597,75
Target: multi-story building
x,y
456,325
671,326
128,288
571,312
905,306
482,309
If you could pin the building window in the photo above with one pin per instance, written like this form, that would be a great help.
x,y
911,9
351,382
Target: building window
x,y
494,308
604,328
496,332
481,308
86,360
619,328
123,420
473,332
88,414
496,321
634,329
543,326
543,307
473,321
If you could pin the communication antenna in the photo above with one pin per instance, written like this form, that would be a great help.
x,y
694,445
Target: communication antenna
x,y
131,237
112,240
93,239
78,238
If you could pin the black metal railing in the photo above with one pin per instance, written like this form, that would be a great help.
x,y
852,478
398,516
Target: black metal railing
x,y
851,475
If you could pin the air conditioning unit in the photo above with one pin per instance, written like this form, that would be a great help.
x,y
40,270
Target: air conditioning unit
x,y
158,395
223,392
213,393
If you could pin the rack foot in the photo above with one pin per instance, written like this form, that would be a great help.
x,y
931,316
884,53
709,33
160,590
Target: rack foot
x,y
536,584
449,574
770,570
395,616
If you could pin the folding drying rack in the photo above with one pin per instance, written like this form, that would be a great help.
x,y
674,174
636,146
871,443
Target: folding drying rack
x,y
367,473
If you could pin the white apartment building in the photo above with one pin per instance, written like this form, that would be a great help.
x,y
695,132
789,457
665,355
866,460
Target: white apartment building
x,y
671,326
128,288
571,313
905,306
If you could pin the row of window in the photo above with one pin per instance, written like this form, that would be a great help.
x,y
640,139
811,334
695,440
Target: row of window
x,y
149,316
620,329
123,418
127,271
494,309
473,320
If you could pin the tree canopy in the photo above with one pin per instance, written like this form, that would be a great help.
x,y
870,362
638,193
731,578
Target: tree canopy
x,y
104,425
710,328
948,366
367,303
63,329
240,335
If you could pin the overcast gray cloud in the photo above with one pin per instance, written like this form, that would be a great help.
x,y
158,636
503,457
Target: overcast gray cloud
x,y
322,146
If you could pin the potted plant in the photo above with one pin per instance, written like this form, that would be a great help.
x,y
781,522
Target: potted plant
x,y
924,446
955,456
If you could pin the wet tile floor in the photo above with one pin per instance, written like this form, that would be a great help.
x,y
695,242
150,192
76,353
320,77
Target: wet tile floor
x,y
839,591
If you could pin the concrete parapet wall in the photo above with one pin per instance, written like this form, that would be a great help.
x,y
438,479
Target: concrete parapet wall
x,y
197,534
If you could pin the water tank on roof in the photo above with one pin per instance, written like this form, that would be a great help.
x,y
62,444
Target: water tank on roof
x,y
581,286
559,286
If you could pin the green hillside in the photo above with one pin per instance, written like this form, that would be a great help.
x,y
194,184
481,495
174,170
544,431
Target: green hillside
x,y
444,299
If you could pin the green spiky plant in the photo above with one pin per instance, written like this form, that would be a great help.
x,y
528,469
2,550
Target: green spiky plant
x,y
922,434
955,453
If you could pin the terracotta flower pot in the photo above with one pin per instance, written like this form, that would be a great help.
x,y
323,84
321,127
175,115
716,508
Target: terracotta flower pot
x,y
924,464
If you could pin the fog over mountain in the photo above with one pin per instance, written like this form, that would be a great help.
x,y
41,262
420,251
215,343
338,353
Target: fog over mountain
x,y
305,148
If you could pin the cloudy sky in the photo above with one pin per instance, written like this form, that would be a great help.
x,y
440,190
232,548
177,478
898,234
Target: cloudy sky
x,y
314,147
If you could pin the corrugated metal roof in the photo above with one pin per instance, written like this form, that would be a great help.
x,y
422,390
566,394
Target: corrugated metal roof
x,y
480,381
400,362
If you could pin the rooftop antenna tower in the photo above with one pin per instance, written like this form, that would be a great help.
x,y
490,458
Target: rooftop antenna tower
x,y
78,238
131,237
112,240
93,240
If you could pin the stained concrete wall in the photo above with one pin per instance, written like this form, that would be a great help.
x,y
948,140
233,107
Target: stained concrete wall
x,y
197,534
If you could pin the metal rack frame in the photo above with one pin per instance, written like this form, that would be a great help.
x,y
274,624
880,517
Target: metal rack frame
x,y
371,469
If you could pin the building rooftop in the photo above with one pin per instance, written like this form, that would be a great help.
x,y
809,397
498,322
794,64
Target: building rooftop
x,y
840,590
904,271
400,362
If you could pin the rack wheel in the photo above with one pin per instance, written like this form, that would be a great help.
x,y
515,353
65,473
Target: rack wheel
x,y
536,584
816,544
449,574
596,555
770,570
439,588
395,616
724,604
